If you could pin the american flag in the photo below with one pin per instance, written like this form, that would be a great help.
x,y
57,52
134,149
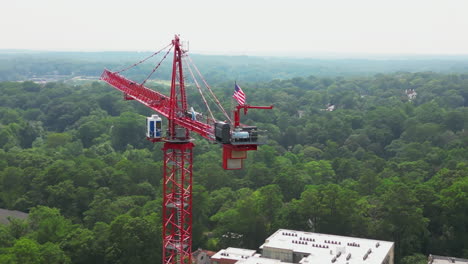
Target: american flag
x,y
239,95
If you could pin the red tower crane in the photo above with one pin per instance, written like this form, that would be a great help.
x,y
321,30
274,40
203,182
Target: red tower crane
x,y
236,139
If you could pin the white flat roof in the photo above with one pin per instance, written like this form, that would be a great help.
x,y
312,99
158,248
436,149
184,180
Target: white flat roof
x,y
447,260
322,248
234,253
260,260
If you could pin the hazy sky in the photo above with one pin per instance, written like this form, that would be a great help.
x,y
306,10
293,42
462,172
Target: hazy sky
x,y
252,27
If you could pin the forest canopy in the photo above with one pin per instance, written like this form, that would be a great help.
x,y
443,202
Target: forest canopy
x,y
378,166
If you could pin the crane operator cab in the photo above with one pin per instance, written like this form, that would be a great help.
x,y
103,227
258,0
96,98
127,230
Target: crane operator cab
x,y
154,127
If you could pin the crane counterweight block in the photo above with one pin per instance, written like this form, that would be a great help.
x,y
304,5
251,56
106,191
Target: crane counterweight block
x,y
234,155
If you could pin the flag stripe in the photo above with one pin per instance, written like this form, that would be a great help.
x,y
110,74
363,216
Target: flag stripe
x,y
239,95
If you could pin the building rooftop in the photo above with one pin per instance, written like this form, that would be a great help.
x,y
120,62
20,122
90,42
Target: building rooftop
x,y
234,253
323,248
434,259
207,252
260,260
4,214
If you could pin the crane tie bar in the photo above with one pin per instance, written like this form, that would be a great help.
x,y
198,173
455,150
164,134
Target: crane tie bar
x,y
145,59
157,66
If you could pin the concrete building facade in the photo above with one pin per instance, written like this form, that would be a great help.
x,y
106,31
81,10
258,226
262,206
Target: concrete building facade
x,y
232,255
260,260
201,256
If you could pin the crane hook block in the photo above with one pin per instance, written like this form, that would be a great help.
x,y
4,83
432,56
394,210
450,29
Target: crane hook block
x,y
154,127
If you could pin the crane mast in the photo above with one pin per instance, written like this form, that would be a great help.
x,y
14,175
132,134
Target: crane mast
x,y
177,175
235,138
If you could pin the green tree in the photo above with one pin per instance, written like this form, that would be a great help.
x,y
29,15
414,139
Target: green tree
x,y
402,219
48,225
134,240
54,140
242,225
25,251
454,202
52,254
79,246
455,120
319,172
327,207
128,129
416,258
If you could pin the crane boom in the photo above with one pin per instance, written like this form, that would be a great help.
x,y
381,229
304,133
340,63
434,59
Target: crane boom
x,y
156,101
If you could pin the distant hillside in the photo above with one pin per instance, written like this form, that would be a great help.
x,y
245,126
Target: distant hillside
x,y
18,65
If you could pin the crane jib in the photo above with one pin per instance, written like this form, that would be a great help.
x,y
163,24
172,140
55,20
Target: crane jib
x,y
156,101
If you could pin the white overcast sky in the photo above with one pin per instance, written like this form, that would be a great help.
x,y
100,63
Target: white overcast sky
x,y
251,27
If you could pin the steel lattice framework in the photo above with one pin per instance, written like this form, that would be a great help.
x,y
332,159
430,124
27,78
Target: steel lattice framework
x,y
177,202
178,146
178,157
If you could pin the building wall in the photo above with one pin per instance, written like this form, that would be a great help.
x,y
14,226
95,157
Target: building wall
x,y
297,256
284,255
389,258
203,258
223,261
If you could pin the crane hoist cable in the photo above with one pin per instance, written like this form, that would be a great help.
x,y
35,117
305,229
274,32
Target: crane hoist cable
x,y
200,91
209,89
